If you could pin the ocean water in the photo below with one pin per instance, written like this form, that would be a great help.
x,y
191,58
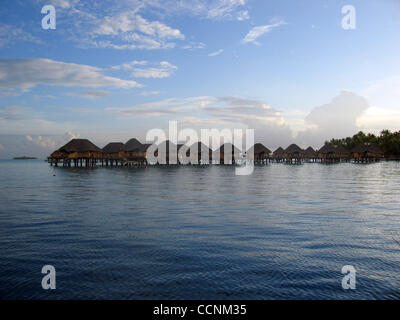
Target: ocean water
x,y
285,232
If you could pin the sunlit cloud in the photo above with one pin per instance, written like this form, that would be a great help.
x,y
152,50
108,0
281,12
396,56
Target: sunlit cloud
x,y
163,70
28,73
256,32
216,53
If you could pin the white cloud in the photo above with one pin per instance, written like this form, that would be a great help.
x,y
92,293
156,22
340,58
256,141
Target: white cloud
x,y
44,142
10,34
224,8
337,119
129,30
377,119
216,53
259,31
165,107
384,98
130,21
13,113
63,4
51,142
32,144
89,94
149,93
194,45
208,9
164,70
28,73
243,15
129,65
139,24
9,93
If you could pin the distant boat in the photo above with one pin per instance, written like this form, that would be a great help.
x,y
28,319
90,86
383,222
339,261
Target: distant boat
x,y
24,158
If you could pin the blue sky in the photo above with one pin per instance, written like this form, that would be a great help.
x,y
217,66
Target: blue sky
x,y
113,70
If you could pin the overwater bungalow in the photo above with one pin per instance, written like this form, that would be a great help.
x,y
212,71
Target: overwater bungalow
x,y
111,153
261,153
128,151
137,156
364,153
228,153
201,153
342,153
163,152
293,154
327,153
277,155
310,154
80,152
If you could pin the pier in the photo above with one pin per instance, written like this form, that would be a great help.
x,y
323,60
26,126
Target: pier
x,y
84,153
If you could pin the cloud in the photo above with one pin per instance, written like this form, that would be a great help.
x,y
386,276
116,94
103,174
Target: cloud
x,y
164,107
63,4
384,98
337,119
224,8
51,142
164,70
13,113
129,65
243,15
28,73
206,9
194,45
82,110
129,30
218,112
240,109
376,119
138,24
10,34
149,93
130,21
89,94
216,53
10,93
259,31
2,147
44,142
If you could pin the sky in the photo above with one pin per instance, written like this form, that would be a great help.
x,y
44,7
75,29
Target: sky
x,y
113,70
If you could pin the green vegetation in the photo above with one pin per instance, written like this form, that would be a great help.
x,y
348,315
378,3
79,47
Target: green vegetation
x,y
388,141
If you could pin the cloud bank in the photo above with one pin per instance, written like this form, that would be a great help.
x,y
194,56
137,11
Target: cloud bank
x,y
28,73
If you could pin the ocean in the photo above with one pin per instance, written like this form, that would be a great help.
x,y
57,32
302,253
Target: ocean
x,y
189,232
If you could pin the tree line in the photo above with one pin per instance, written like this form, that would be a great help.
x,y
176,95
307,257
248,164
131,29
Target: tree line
x,y
388,141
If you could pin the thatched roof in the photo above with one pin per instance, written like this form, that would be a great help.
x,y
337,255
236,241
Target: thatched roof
x,y
132,145
143,147
293,149
310,152
376,149
341,150
278,152
166,145
113,147
327,148
227,147
363,148
79,145
259,148
201,147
